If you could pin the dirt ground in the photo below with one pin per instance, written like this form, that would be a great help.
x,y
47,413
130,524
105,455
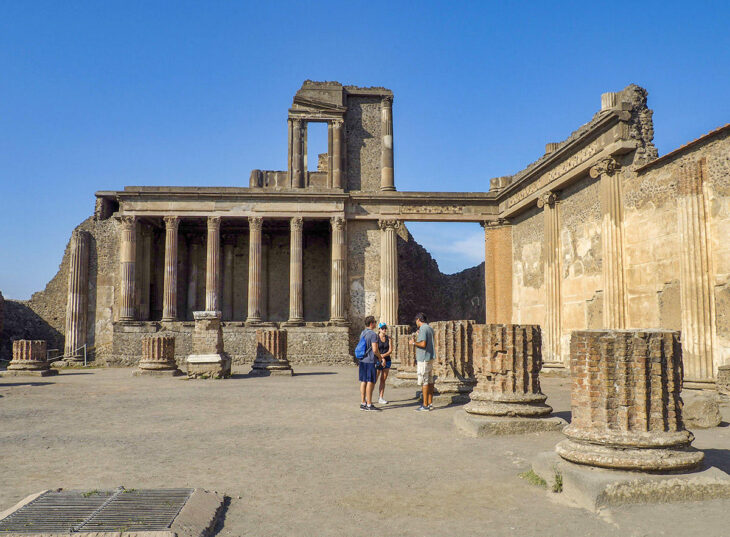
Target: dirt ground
x,y
298,458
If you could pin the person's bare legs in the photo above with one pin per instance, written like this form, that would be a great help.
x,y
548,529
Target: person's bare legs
x,y
362,391
424,391
369,393
383,378
429,392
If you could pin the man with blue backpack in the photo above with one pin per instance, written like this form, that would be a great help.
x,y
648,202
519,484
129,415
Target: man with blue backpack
x,y
366,353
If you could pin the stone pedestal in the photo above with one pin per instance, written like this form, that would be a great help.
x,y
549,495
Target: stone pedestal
x,y
723,379
507,398
29,359
453,366
271,358
626,404
406,375
158,356
208,359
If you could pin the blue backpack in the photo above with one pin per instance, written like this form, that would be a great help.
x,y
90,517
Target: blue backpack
x,y
362,348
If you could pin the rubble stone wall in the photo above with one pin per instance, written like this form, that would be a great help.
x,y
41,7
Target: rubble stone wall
x,y
364,136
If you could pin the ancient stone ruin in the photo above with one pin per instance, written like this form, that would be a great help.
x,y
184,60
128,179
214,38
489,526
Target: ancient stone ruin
x,y
29,359
158,356
271,349
208,359
454,363
625,402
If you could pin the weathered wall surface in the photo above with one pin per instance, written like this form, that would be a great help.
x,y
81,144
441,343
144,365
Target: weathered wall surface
x,y
363,272
528,276
364,141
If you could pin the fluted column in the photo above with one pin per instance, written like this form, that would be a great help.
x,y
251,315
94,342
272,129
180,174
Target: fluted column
x,y
614,291
296,273
696,296
389,271
169,296
338,274
551,335
145,266
254,269
498,271
194,245
127,259
213,265
78,289
229,241
387,181
337,128
297,161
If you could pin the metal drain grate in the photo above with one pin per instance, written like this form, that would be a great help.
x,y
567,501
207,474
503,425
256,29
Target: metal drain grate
x,y
120,510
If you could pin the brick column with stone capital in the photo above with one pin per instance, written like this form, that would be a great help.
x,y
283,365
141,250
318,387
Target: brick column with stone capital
x,y
127,260
255,223
169,295
551,334
158,356
296,273
387,180
271,353
213,265
625,402
337,137
338,275
76,299
498,271
29,359
389,271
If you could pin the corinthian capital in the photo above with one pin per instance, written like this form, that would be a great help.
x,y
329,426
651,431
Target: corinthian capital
x,y
387,100
127,221
297,223
338,223
548,198
608,165
389,224
214,222
171,222
255,222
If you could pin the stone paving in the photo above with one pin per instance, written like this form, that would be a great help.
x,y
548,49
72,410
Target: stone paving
x,y
297,457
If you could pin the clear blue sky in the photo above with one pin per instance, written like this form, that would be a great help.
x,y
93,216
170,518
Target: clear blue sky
x,y
99,95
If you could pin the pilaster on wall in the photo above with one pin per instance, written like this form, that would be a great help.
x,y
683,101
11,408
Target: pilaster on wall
x,y
389,271
612,243
498,271
548,202
697,299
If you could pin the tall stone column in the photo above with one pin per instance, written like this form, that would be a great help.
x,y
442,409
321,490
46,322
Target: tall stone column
x,y
78,290
127,260
337,135
498,271
145,272
696,297
297,160
551,335
213,265
338,274
387,181
389,271
229,241
194,245
169,295
296,274
254,269
614,290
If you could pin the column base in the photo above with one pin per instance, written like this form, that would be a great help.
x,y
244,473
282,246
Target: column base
x,y
387,188
293,322
157,373
29,373
477,426
339,322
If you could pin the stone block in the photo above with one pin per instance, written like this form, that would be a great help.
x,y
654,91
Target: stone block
x,y
723,379
29,359
406,375
475,425
208,359
271,353
701,410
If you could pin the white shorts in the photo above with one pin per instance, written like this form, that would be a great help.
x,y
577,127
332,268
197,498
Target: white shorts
x,y
425,372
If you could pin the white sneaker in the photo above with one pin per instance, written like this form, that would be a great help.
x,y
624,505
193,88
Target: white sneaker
x,y
382,401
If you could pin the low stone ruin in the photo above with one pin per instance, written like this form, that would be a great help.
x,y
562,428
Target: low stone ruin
x,y
723,379
29,359
454,363
158,356
208,359
406,354
271,351
507,398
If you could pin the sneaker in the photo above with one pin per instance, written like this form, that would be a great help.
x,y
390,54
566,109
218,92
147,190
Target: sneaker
x,y
363,406
423,409
371,408
430,407
382,401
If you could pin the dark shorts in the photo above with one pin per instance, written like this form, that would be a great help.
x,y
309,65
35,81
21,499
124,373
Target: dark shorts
x,y
380,367
367,372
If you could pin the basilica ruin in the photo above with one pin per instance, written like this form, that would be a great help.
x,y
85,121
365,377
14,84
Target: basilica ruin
x,y
598,233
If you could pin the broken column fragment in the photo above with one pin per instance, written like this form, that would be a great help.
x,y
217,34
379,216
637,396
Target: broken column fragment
x,y
29,359
271,347
158,356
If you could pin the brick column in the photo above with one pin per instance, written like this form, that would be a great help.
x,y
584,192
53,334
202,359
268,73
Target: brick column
x,y
453,366
614,291
229,242
296,273
389,271
551,334
387,181
254,269
337,135
169,295
625,402
213,265
297,160
78,290
271,354
127,259
338,275
29,359
695,273
498,271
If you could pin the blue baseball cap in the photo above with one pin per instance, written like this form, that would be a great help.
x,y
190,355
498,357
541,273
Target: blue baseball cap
x,y
382,325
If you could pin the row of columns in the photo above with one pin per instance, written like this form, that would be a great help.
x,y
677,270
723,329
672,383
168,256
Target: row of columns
x,y
298,152
213,270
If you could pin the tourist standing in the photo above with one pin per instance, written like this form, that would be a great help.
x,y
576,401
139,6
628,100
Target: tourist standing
x,y
424,361
383,368
367,364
